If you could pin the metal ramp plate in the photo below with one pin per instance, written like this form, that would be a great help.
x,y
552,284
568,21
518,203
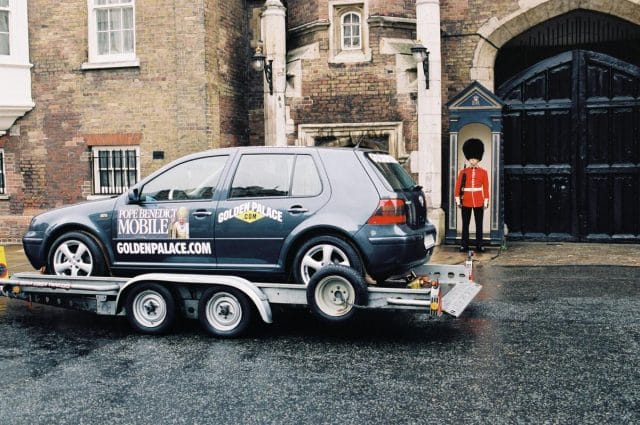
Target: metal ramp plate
x,y
458,298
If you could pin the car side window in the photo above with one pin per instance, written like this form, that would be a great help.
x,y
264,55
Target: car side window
x,y
262,175
191,180
306,180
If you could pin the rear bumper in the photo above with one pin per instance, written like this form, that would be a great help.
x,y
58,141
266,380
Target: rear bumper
x,y
396,253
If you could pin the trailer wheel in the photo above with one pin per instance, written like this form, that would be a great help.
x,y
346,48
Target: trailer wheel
x,y
224,312
151,308
334,292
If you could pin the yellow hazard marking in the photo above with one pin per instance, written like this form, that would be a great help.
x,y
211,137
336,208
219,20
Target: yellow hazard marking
x,y
4,270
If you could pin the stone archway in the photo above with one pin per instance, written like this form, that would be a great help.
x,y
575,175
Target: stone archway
x,y
496,32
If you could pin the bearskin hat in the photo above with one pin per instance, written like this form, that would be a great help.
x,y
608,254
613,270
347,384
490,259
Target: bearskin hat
x,y
473,148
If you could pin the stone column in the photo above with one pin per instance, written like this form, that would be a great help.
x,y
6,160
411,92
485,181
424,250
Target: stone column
x,y
429,165
274,35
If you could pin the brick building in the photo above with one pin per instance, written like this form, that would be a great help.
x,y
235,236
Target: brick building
x,y
95,94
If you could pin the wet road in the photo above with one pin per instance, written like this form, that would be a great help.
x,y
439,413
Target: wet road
x,y
539,345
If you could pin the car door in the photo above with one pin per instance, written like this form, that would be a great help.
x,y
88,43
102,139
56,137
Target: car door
x,y
170,226
269,195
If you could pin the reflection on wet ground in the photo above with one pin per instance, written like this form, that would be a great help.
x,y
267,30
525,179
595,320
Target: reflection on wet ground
x,y
539,344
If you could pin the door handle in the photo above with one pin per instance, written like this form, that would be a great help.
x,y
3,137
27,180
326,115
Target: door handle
x,y
297,209
201,213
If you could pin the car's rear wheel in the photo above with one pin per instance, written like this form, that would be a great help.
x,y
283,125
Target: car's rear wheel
x,y
322,251
76,254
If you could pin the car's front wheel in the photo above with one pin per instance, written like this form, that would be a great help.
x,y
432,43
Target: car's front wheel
x,y
76,254
322,251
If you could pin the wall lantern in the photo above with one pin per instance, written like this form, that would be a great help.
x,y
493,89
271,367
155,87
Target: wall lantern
x,y
421,54
259,63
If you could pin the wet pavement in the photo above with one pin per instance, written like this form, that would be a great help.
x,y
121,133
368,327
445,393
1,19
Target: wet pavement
x,y
556,344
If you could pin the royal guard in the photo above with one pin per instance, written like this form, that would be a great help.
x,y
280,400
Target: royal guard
x,y
472,192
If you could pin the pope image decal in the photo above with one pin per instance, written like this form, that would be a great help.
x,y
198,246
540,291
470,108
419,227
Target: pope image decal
x,y
179,227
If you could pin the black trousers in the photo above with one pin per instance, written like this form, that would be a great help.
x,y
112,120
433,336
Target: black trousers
x,y
478,215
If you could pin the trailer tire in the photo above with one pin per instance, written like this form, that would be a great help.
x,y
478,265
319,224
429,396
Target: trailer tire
x,y
224,312
151,308
335,292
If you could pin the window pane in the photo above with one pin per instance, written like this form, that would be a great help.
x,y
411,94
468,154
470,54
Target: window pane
x,y
262,175
103,43
102,20
392,171
195,179
100,2
4,44
115,42
4,3
127,18
103,159
115,19
306,181
4,21
127,41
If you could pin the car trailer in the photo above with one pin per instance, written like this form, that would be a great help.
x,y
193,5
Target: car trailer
x,y
224,305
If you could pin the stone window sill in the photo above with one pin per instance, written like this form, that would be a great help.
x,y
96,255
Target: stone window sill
x,y
134,63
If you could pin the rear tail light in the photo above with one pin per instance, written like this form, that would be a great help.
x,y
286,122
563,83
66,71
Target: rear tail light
x,y
389,211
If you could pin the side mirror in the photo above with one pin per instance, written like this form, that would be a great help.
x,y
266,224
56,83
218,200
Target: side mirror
x,y
134,196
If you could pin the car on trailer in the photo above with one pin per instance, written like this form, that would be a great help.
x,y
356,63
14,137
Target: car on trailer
x,y
266,213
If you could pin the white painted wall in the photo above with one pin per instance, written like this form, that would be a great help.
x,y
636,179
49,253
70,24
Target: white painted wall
x,y
15,69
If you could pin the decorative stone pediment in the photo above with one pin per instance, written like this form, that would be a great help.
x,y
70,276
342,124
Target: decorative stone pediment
x,y
475,104
475,96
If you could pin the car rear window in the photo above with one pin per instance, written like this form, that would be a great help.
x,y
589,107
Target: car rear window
x,y
392,171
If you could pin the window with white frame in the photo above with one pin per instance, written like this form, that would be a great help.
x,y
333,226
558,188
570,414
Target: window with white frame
x,y
115,168
2,179
349,33
4,28
112,33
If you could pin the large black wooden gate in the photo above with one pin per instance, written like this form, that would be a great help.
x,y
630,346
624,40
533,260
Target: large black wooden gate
x,y
572,149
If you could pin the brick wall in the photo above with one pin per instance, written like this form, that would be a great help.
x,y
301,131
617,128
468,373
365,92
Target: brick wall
x,y
187,95
351,92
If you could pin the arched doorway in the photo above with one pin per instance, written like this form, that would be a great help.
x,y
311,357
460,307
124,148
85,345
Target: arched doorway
x,y
572,149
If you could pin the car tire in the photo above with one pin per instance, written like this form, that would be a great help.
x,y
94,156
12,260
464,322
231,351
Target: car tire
x,y
76,254
335,292
321,251
224,312
151,308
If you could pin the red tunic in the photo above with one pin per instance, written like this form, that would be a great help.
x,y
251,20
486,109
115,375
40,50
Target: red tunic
x,y
476,187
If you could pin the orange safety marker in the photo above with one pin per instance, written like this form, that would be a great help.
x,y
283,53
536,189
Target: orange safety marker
x,y
4,269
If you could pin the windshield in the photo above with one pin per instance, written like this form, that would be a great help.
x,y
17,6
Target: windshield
x,y
392,171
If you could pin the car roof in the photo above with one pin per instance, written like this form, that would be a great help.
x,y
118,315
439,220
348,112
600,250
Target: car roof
x,y
272,149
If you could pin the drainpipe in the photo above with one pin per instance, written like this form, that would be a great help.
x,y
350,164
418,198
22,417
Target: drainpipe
x,y
430,112
274,34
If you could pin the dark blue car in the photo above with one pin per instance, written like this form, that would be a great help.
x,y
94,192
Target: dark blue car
x,y
265,213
